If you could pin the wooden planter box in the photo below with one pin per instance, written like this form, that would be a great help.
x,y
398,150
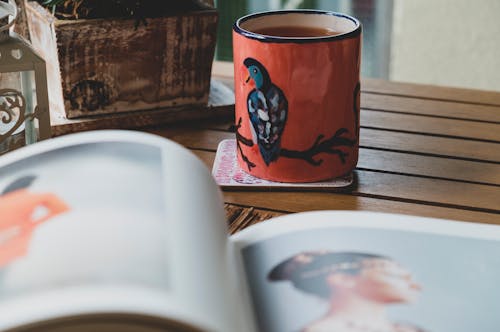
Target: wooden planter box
x,y
104,66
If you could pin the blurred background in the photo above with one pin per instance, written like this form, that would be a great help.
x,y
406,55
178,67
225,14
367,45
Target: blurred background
x,y
443,42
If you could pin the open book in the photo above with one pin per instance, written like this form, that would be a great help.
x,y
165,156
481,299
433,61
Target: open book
x,y
125,231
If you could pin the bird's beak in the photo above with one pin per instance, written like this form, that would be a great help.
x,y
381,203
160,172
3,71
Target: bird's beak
x,y
248,79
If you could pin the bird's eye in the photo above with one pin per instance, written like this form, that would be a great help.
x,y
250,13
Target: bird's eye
x,y
255,71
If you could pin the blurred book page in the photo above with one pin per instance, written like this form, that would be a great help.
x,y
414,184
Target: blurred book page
x,y
119,215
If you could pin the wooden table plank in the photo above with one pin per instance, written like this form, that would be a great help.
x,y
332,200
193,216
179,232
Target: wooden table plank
x,y
434,126
239,217
298,202
431,167
378,140
398,162
194,138
424,91
434,192
372,159
430,145
434,108
386,161
430,191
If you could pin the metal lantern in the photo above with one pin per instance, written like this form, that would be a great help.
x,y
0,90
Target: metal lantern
x,y
24,103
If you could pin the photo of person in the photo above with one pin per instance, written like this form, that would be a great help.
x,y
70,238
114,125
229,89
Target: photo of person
x,y
357,287
346,275
18,208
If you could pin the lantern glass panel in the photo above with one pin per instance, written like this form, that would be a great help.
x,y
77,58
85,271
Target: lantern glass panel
x,y
24,110
18,126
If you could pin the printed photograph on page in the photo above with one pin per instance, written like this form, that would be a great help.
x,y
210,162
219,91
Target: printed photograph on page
x,y
353,279
82,215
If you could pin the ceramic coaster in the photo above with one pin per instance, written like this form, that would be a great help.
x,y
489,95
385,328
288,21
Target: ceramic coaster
x,y
229,176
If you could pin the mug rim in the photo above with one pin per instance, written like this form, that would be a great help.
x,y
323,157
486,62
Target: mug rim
x,y
276,39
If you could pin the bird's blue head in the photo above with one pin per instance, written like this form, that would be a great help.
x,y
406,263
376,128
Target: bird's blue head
x,y
258,73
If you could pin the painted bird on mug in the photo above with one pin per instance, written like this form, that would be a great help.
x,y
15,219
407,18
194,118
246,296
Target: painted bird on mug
x,y
267,110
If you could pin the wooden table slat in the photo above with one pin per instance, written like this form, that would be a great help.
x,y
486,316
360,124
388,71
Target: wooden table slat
x,y
241,217
425,91
195,138
405,163
370,138
433,167
417,189
430,145
430,191
297,202
434,108
434,126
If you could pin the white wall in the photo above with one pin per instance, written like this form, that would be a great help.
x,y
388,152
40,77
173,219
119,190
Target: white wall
x,y
447,42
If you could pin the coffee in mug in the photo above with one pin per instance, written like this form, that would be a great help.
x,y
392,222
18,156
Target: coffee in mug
x,y
296,31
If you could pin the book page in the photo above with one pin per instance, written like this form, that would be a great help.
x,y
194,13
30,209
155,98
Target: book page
x,y
353,271
111,222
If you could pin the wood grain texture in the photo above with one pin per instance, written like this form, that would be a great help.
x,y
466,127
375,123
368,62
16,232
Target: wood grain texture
x,y
432,92
428,166
112,65
416,189
430,145
240,217
433,126
430,191
217,108
415,165
378,139
429,107
290,202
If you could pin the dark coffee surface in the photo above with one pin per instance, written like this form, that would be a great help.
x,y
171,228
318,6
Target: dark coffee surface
x,y
295,31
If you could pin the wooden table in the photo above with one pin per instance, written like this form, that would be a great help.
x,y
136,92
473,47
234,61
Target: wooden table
x,y
424,150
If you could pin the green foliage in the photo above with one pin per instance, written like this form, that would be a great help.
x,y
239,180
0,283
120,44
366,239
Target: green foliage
x,y
139,9
72,9
52,3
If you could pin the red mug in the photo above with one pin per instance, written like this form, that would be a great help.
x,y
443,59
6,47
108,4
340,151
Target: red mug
x,y
297,90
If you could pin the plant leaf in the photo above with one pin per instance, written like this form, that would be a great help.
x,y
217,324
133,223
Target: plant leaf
x,y
53,2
